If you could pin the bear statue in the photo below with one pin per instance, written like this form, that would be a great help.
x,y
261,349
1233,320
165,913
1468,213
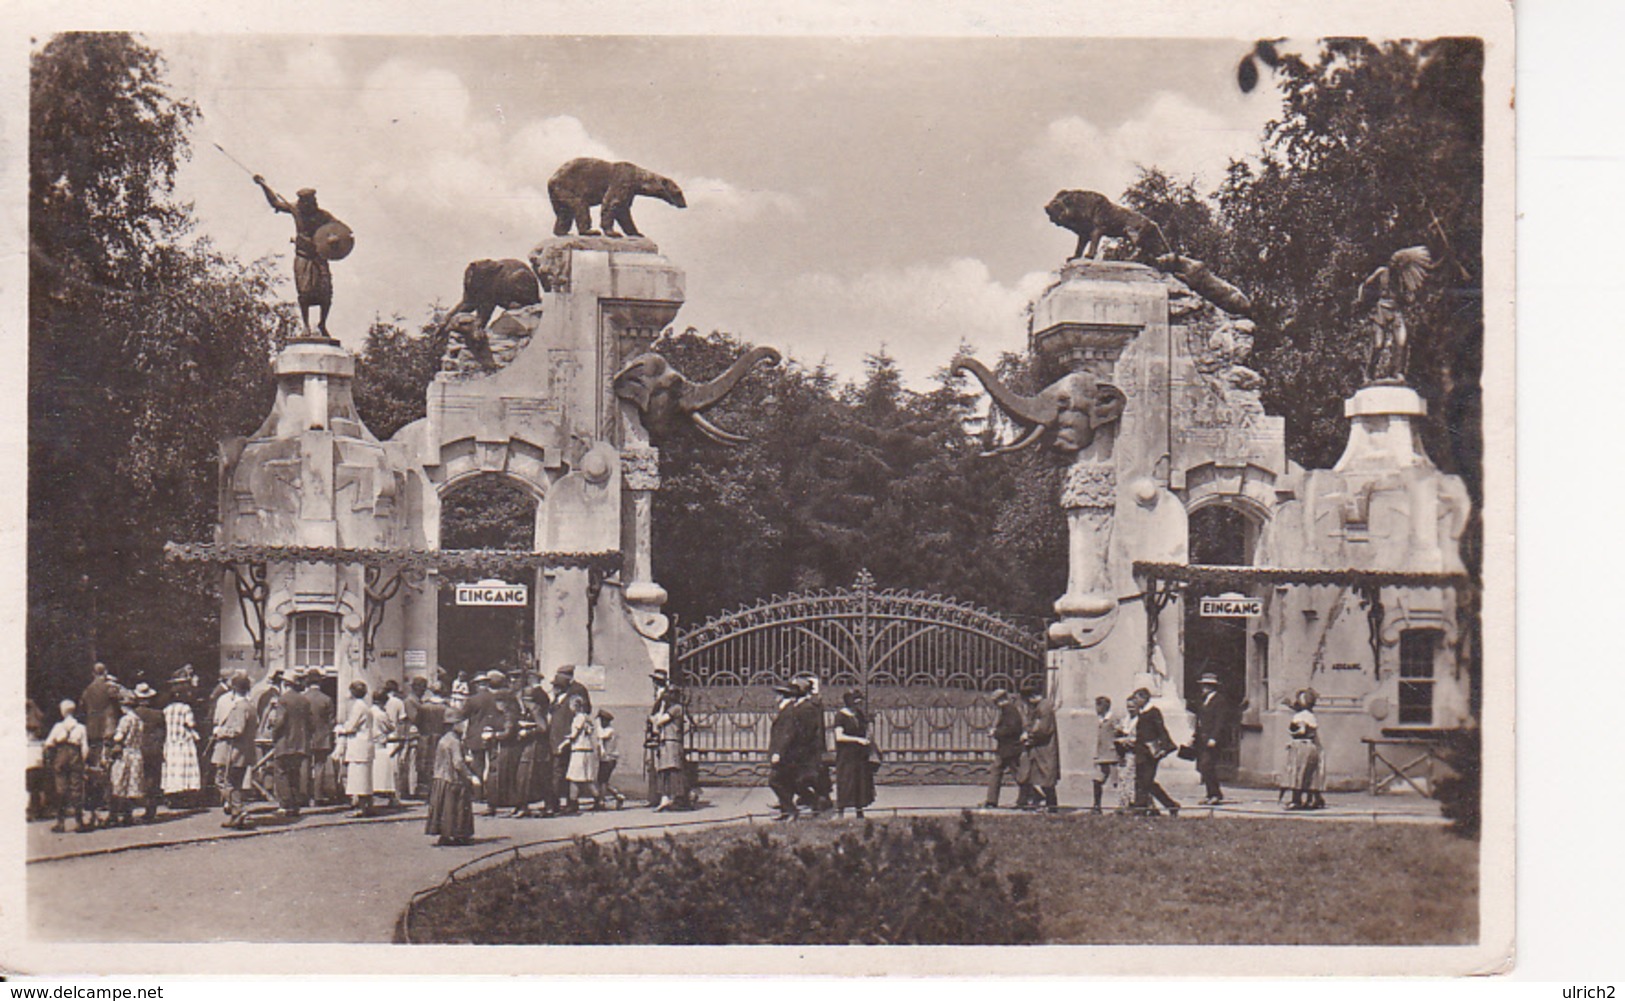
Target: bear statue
x,y
584,182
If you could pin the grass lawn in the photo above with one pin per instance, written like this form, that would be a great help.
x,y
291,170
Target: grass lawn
x,y
1121,880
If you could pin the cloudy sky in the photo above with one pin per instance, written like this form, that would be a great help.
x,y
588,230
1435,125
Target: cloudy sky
x,y
843,193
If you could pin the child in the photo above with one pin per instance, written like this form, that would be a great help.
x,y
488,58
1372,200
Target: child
x,y
1305,776
583,768
1106,753
66,747
609,755
451,796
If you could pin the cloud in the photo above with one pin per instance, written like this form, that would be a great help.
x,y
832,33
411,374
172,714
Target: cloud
x,y
430,101
550,142
919,313
712,196
1170,131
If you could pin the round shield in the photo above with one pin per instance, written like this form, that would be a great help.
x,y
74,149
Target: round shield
x,y
334,241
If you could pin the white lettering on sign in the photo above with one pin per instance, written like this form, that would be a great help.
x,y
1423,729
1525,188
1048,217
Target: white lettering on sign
x,y
1231,608
417,658
493,593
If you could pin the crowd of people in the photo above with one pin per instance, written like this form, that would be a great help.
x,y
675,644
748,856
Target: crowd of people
x,y
528,747
527,750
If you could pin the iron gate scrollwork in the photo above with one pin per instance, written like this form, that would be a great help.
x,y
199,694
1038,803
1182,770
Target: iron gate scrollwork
x,y
927,664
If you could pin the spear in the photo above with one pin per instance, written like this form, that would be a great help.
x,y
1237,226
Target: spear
x,y
233,159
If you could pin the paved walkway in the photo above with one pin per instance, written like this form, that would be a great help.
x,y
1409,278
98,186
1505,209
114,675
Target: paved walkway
x,y
326,878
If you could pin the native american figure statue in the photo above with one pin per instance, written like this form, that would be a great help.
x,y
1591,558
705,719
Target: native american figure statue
x,y
1394,287
319,238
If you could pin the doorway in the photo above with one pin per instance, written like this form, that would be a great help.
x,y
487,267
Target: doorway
x,y
487,512
1219,535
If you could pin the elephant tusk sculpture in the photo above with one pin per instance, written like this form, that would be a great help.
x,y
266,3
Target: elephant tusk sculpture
x,y
664,396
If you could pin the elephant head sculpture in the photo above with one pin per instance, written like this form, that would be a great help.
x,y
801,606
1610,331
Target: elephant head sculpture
x,y
1066,414
663,395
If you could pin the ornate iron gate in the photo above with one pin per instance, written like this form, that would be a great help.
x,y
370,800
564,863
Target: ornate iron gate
x,y
927,664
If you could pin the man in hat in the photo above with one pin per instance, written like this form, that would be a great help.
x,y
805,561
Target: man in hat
x,y
407,779
1213,722
312,278
431,723
320,784
1007,747
783,744
291,727
565,687
235,728
485,717
152,749
815,785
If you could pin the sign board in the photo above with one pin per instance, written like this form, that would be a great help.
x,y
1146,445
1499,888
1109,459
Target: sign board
x,y
493,592
591,676
1228,607
417,658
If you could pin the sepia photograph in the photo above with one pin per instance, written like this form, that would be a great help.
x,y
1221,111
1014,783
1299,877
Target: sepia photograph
x,y
729,489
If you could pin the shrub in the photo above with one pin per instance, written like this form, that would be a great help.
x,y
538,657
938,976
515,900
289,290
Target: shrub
x,y
1459,795
925,882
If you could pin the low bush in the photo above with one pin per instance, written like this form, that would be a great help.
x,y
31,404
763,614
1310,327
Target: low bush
x,y
925,882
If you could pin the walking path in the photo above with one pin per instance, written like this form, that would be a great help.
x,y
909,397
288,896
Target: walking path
x,y
327,878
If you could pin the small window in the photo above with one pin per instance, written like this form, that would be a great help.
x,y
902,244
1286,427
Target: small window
x,y
1416,652
315,641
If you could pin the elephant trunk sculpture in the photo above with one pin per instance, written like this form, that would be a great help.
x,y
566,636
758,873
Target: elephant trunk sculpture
x,y
663,395
1067,413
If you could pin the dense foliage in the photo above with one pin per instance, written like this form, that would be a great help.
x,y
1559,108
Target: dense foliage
x,y
146,347
923,883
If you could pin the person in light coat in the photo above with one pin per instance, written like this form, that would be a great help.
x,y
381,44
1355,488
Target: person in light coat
x,y
356,734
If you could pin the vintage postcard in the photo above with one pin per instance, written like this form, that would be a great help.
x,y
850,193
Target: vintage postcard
x,y
1032,486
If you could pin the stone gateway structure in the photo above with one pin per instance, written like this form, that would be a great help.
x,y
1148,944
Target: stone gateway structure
x,y
329,540
1343,580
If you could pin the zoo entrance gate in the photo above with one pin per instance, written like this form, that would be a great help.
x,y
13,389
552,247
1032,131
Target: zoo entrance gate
x,y
928,666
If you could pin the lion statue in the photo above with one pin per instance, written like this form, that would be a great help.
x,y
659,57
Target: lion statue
x,y
1093,216
584,182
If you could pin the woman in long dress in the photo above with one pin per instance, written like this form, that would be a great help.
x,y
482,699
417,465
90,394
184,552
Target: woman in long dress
x,y
181,775
384,748
356,731
535,758
1306,773
451,794
124,773
854,778
664,738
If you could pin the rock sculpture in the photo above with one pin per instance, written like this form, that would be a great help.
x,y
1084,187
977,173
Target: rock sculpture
x,y
488,284
1066,415
664,396
1394,285
584,182
1199,278
1093,216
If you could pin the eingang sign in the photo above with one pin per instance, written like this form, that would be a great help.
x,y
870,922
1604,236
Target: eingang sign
x,y
493,592
1231,607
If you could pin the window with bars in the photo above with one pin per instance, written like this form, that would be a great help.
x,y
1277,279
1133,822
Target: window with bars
x,y
315,640
1416,653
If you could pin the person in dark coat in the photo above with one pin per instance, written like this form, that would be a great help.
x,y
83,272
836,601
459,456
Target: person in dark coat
x,y
1213,720
100,708
783,744
324,786
663,729
1007,748
559,722
291,724
432,710
815,787
503,748
483,711
566,687
536,756
854,753
1041,766
451,793
152,750
1151,744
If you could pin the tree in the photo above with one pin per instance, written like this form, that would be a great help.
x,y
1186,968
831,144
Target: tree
x,y
145,348
1379,147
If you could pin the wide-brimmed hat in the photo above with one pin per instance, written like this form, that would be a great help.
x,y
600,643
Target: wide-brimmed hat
x,y
144,691
1208,679
567,671
662,676
495,677
606,715
999,694
787,690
